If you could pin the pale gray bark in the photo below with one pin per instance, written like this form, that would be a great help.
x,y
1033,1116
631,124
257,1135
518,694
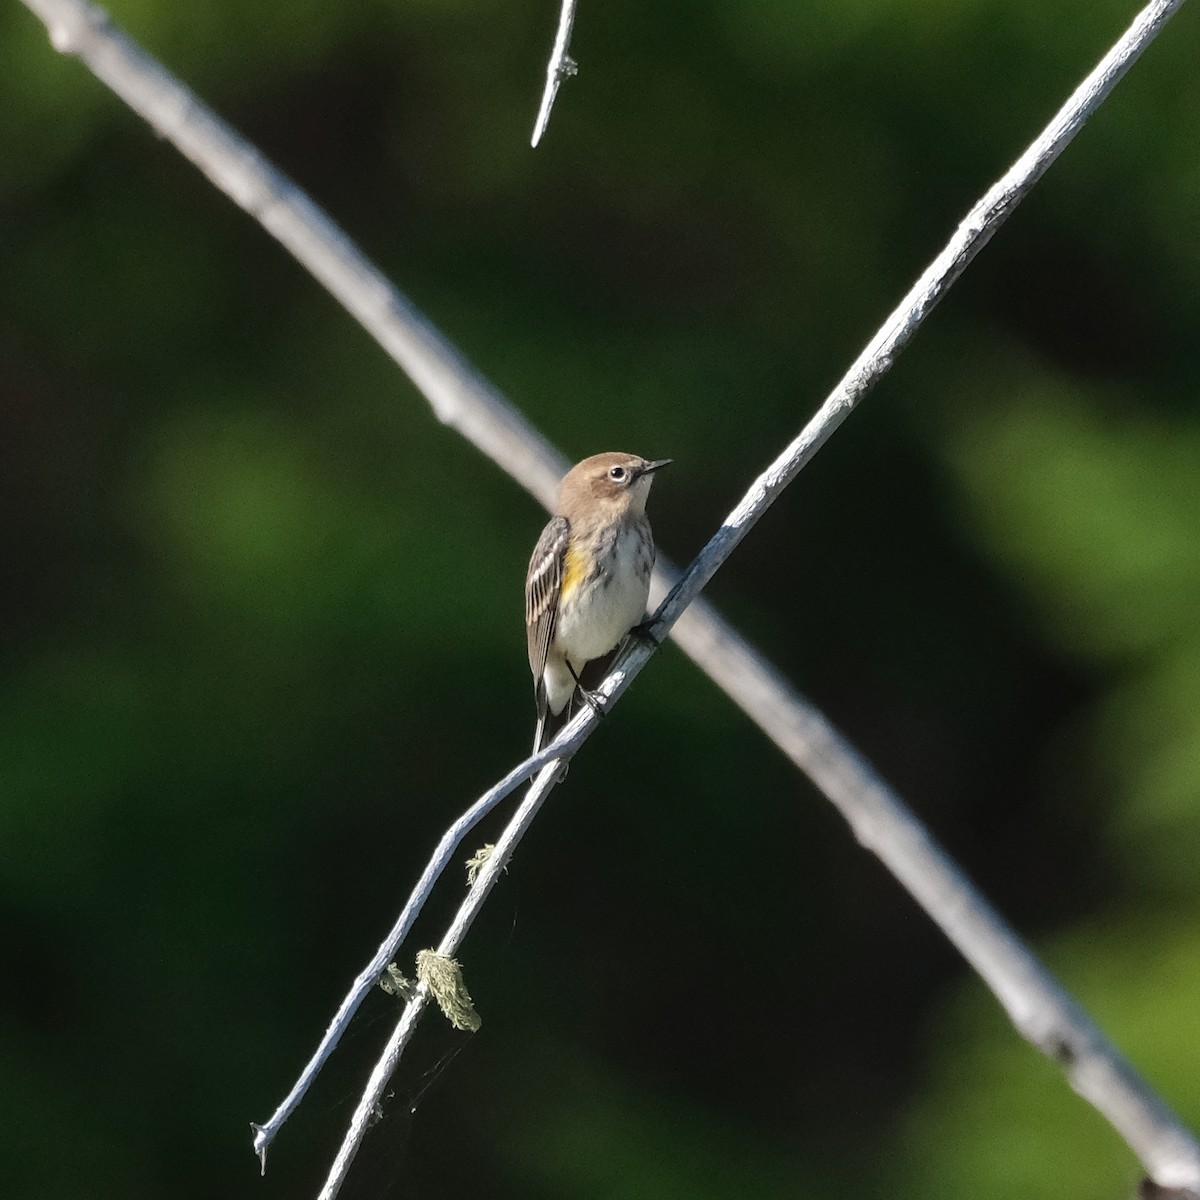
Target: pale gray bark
x,y
1038,1006
561,66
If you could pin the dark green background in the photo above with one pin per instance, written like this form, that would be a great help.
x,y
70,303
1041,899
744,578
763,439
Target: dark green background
x,y
262,618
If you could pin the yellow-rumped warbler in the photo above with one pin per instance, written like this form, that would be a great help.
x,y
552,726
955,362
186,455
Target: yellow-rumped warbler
x,y
588,580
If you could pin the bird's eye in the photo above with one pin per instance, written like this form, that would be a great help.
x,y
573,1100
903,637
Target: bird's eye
x,y
617,473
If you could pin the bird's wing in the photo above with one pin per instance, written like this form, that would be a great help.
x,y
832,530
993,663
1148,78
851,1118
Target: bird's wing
x,y
543,587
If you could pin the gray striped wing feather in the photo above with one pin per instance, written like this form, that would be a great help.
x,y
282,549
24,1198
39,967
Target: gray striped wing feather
x,y
542,589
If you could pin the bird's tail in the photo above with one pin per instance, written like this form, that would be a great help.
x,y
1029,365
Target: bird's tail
x,y
587,680
547,723
548,726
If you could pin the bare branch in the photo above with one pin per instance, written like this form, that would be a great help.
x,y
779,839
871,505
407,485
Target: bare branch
x,y
458,395
478,893
1040,1008
569,739
973,233
561,66
1036,1003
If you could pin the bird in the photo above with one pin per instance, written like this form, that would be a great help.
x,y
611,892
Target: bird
x,y
588,581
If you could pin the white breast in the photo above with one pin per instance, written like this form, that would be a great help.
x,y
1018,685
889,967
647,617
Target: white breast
x,y
595,618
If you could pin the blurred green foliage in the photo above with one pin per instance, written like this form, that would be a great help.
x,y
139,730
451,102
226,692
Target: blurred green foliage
x,y
262,613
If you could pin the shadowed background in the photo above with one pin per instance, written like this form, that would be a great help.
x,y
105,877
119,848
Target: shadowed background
x,y
261,614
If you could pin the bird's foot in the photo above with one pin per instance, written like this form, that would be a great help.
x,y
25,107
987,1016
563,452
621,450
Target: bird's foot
x,y
595,701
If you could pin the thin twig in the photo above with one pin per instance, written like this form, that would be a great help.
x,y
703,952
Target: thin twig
x,y
469,909
1039,1008
568,740
561,66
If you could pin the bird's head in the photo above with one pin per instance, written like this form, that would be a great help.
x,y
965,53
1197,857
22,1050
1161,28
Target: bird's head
x,y
616,483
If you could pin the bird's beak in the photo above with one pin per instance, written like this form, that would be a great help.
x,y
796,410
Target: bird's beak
x,y
656,465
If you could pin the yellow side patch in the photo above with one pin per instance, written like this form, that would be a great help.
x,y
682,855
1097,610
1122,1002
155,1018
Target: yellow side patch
x,y
573,570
